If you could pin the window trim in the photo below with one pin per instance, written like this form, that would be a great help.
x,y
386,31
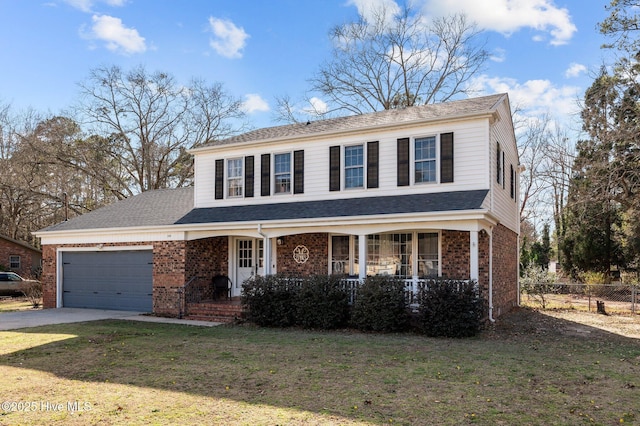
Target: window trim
x,y
12,262
275,175
435,159
239,178
345,168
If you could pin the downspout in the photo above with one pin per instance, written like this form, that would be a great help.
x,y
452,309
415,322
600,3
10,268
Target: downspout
x,y
491,275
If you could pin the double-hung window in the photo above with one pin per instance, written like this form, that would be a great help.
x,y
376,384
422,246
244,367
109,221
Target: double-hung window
x,y
354,166
425,159
14,262
234,177
282,173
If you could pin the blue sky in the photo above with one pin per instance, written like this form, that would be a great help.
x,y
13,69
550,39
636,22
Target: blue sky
x,y
544,52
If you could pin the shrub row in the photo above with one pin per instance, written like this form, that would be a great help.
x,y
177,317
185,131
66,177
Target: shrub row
x,y
446,307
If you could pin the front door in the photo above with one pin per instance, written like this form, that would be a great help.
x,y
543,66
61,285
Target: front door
x,y
249,262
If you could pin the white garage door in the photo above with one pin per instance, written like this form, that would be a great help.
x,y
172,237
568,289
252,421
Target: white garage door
x,y
121,280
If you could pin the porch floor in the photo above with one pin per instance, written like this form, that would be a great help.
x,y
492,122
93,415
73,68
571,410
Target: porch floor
x,y
225,310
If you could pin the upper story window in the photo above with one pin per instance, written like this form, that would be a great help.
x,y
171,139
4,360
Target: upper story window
x,y
282,173
354,166
234,177
425,159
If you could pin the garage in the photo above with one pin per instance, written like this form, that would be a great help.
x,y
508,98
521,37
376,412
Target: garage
x,y
120,280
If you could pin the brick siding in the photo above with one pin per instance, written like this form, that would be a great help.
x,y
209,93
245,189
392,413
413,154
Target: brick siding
x,y
505,270
29,258
318,245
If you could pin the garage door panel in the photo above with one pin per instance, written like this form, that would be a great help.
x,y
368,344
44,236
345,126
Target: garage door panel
x,y
108,280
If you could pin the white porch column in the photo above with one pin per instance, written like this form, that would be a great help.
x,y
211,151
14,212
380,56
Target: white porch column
x,y
474,272
267,256
362,256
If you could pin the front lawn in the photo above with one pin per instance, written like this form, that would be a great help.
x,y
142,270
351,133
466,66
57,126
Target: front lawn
x,y
532,368
12,304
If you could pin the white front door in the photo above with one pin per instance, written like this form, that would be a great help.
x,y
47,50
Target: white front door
x,y
249,262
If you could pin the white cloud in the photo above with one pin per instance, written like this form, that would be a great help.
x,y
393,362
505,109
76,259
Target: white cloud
x,y
117,37
368,9
254,102
87,5
229,39
575,70
509,16
318,106
498,55
534,97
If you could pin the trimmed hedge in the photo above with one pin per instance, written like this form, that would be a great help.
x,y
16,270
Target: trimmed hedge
x,y
380,305
447,308
450,308
321,302
270,301
280,301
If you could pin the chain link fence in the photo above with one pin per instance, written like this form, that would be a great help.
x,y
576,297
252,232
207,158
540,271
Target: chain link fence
x,y
603,298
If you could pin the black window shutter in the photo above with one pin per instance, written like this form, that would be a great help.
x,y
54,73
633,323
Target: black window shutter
x,y
513,183
248,176
446,157
298,172
219,185
498,162
403,162
334,168
372,164
265,175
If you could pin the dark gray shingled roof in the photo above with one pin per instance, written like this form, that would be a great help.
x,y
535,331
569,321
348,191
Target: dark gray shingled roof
x,y
151,208
464,107
415,203
174,207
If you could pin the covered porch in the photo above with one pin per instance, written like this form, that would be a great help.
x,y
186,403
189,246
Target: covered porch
x,y
413,251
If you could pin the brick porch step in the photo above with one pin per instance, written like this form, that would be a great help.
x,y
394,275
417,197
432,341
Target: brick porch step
x,y
217,311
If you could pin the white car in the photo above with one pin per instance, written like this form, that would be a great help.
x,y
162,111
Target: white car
x,y
10,284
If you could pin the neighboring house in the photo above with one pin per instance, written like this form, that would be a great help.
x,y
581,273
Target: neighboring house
x,y
20,257
417,192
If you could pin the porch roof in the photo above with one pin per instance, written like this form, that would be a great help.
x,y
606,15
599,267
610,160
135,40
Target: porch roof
x,y
368,206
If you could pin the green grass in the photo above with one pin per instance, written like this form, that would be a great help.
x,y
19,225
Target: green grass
x,y
531,369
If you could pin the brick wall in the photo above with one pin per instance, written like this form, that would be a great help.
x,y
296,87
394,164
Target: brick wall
x,y
48,277
28,258
505,270
169,275
318,245
455,255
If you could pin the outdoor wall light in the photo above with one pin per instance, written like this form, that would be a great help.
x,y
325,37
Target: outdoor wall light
x,y
280,241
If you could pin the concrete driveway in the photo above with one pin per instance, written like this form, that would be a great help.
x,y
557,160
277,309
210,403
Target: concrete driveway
x,y
24,319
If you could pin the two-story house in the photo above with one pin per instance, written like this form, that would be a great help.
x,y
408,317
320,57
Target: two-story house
x,y
417,192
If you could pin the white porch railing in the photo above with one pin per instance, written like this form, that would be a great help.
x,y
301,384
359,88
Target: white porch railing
x,y
412,287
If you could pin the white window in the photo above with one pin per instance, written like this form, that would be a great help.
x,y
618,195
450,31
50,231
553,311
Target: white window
x,y
428,254
400,254
234,177
282,173
425,159
354,166
14,262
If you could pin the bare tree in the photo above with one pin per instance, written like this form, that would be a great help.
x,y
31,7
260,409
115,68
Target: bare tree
x,y
395,61
149,121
